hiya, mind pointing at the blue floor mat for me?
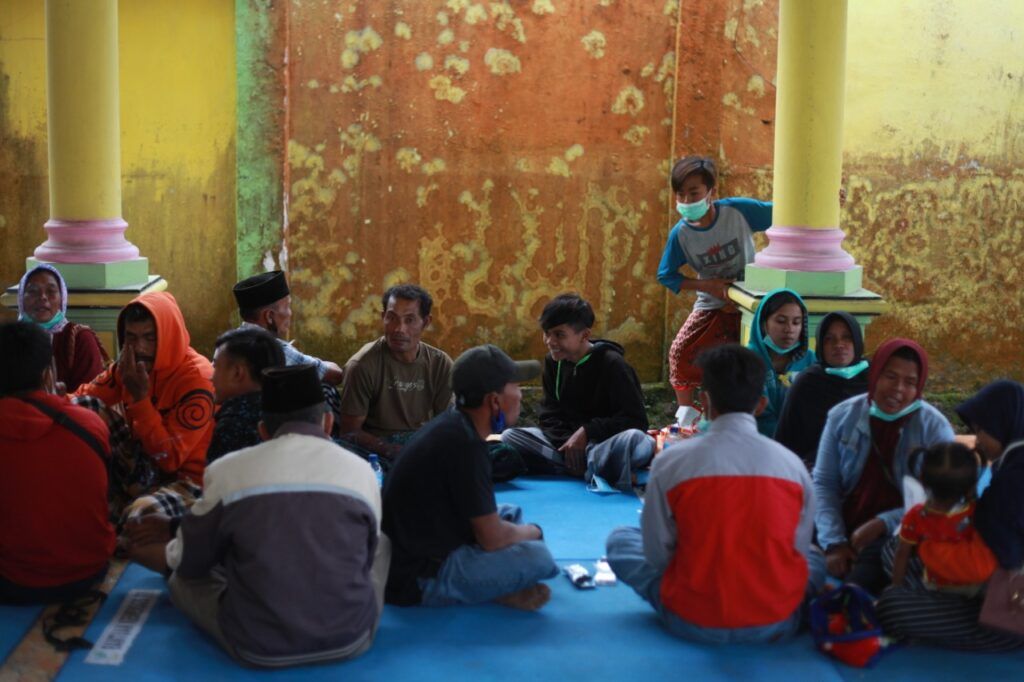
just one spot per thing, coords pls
(598, 634)
(576, 522)
(15, 621)
(608, 633)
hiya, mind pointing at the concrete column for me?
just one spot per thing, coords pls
(85, 232)
(805, 250)
(805, 243)
(809, 103)
(83, 100)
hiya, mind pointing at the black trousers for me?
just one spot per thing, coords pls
(19, 595)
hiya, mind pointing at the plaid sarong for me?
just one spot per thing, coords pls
(137, 487)
(173, 500)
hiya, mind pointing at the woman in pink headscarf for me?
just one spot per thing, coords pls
(43, 299)
(862, 458)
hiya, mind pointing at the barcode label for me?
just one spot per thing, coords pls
(119, 634)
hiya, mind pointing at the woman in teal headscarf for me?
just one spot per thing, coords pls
(779, 335)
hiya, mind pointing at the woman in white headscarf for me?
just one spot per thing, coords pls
(78, 356)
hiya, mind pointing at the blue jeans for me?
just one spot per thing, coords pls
(471, 575)
(625, 551)
(615, 459)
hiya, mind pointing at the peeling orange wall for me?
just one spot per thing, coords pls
(725, 103)
(498, 153)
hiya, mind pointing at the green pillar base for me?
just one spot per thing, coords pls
(125, 273)
(97, 307)
(806, 283)
(864, 305)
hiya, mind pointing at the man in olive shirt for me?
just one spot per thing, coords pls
(396, 384)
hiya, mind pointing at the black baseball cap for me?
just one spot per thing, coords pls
(486, 369)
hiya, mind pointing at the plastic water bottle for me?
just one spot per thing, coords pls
(675, 435)
(377, 470)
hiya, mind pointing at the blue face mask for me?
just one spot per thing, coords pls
(847, 372)
(775, 347)
(876, 411)
(691, 213)
(498, 423)
(53, 322)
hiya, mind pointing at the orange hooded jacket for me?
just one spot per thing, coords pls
(175, 423)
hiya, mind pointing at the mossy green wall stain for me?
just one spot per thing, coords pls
(260, 45)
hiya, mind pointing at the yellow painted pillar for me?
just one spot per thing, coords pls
(83, 116)
(811, 80)
(85, 232)
(804, 251)
(809, 112)
(83, 100)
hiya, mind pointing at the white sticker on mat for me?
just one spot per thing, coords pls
(119, 634)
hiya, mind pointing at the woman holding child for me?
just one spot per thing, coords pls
(862, 459)
(996, 416)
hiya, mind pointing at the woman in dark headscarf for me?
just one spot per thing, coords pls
(862, 459)
(996, 416)
(839, 373)
(43, 299)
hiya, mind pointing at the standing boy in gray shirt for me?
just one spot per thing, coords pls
(715, 237)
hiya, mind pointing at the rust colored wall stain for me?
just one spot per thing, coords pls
(725, 103)
(507, 154)
(944, 244)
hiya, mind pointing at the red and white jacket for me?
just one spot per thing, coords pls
(728, 519)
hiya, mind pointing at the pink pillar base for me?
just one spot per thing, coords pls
(805, 249)
(86, 241)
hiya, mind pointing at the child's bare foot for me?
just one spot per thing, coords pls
(529, 599)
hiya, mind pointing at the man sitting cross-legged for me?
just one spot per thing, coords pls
(282, 560)
(452, 543)
(724, 550)
(55, 538)
(396, 384)
(239, 358)
(592, 419)
(164, 388)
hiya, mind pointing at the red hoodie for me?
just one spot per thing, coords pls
(174, 422)
(54, 528)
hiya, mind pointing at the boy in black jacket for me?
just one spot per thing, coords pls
(592, 420)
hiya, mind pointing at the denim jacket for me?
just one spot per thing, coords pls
(843, 450)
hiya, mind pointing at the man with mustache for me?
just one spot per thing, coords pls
(166, 391)
(396, 384)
